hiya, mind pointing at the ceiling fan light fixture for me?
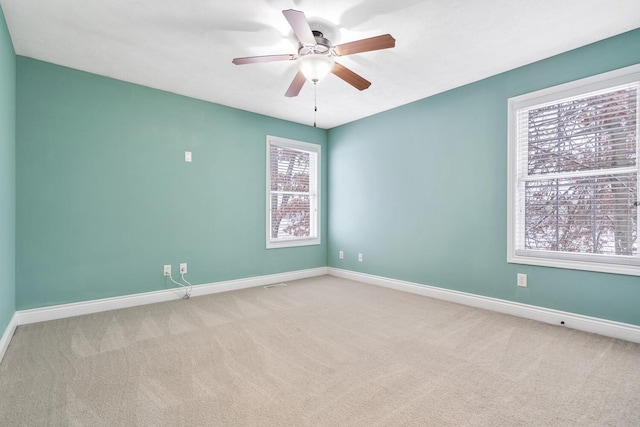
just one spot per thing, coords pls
(315, 66)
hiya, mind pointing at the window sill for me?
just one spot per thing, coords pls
(293, 243)
(575, 264)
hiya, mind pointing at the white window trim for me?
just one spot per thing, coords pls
(589, 262)
(315, 219)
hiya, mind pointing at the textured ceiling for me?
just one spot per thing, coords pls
(186, 46)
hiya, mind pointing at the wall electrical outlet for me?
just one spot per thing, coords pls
(187, 156)
(522, 280)
(341, 254)
(359, 257)
(183, 268)
(167, 270)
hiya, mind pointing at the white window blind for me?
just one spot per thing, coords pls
(292, 181)
(576, 182)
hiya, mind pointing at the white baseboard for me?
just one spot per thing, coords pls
(7, 335)
(24, 317)
(576, 321)
(594, 325)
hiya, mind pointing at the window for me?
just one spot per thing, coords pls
(573, 175)
(293, 184)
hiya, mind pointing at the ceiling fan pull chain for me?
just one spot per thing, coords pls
(315, 102)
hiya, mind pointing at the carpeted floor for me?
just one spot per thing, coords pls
(322, 352)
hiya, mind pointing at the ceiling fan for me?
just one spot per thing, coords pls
(316, 53)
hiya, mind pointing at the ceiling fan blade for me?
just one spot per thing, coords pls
(300, 26)
(350, 77)
(296, 85)
(265, 58)
(365, 45)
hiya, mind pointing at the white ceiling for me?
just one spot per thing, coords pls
(186, 46)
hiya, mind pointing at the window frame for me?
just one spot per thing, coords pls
(315, 205)
(588, 262)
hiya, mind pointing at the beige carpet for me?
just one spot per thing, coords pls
(322, 351)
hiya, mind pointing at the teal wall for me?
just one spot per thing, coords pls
(7, 175)
(421, 191)
(105, 199)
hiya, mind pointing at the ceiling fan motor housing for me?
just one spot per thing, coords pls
(322, 46)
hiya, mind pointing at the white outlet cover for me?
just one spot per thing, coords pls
(522, 280)
(187, 156)
(183, 268)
